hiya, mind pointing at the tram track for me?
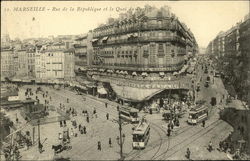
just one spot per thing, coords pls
(158, 144)
(191, 139)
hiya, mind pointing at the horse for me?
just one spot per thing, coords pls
(57, 148)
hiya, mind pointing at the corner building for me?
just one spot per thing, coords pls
(142, 54)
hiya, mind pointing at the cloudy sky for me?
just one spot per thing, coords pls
(205, 18)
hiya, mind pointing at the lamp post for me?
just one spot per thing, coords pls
(39, 141)
(120, 139)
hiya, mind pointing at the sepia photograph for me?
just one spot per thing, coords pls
(125, 80)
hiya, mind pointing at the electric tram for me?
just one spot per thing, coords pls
(141, 135)
(197, 115)
(129, 114)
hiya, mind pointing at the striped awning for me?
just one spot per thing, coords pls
(162, 73)
(144, 74)
(94, 40)
(105, 38)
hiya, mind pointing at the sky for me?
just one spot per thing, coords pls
(205, 18)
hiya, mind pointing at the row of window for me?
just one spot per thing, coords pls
(137, 25)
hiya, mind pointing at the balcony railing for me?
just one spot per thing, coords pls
(139, 79)
(141, 67)
(140, 28)
(144, 39)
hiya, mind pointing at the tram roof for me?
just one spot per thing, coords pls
(141, 128)
(198, 109)
(127, 108)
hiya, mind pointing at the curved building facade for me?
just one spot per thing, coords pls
(145, 52)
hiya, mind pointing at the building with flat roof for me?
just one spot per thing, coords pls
(141, 54)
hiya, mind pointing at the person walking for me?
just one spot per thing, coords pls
(210, 146)
(106, 104)
(110, 143)
(87, 119)
(84, 130)
(99, 146)
(107, 116)
(203, 123)
(79, 127)
(188, 153)
(168, 132)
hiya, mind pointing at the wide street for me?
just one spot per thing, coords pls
(159, 147)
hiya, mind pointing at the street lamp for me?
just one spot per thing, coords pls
(39, 141)
(120, 139)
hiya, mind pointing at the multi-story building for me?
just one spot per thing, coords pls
(145, 52)
(83, 48)
(232, 49)
(22, 63)
(244, 56)
(31, 53)
(7, 62)
(54, 61)
(81, 52)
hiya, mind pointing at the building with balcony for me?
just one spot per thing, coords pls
(54, 61)
(231, 50)
(142, 54)
(7, 62)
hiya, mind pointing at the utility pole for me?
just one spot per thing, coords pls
(121, 138)
(39, 141)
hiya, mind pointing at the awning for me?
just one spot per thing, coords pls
(130, 35)
(101, 90)
(94, 40)
(162, 73)
(175, 73)
(110, 71)
(26, 81)
(125, 72)
(118, 71)
(134, 73)
(135, 34)
(105, 38)
(101, 70)
(144, 74)
(16, 80)
(134, 94)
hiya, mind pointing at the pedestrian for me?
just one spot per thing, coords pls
(107, 115)
(43, 95)
(210, 146)
(203, 123)
(99, 146)
(50, 98)
(106, 104)
(84, 130)
(79, 126)
(64, 121)
(172, 126)
(61, 124)
(94, 112)
(169, 131)
(87, 119)
(40, 147)
(67, 100)
(188, 153)
(110, 142)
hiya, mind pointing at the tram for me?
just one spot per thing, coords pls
(141, 135)
(129, 114)
(197, 115)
